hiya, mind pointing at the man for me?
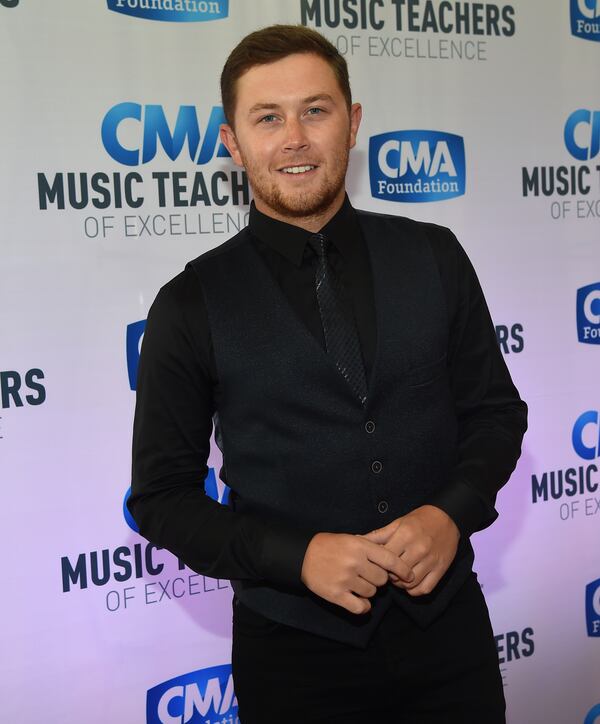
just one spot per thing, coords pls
(364, 411)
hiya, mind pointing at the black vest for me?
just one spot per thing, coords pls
(295, 446)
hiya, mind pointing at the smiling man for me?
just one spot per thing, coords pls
(365, 414)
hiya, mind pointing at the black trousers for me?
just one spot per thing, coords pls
(445, 674)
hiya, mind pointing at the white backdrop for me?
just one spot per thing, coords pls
(99, 627)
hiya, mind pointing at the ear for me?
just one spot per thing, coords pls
(230, 142)
(355, 119)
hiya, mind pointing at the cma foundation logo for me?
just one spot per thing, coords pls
(592, 608)
(585, 19)
(581, 135)
(205, 696)
(593, 715)
(566, 484)
(588, 314)
(416, 166)
(133, 346)
(150, 127)
(213, 487)
(179, 11)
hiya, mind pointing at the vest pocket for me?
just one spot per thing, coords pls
(426, 374)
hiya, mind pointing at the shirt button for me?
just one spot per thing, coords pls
(382, 506)
(376, 466)
(370, 426)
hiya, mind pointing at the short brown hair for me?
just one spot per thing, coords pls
(274, 43)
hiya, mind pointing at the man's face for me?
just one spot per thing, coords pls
(292, 134)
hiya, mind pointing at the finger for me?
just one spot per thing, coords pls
(363, 588)
(354, 604)
(420, 570)
(382, 535)
(373, 573)
(391, 562)
(427, 585)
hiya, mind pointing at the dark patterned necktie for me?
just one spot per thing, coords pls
(341, 336)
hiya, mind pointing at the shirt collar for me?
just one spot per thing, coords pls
(290, 241)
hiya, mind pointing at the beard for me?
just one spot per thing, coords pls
(299, 203)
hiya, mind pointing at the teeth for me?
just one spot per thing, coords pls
(297, 169)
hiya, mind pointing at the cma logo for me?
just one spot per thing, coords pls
(213, 487)
(415, 166)
(593, 715)
(149, 127)
(588, 314)
(582, 134)
(194, 698)
(587, 430)
(133, 346)
(180, 11)
(585, 19)
(16, 389)
(592, 607)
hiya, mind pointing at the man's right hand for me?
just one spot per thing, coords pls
(346, 569)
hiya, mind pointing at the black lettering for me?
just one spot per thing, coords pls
(478, 28)
(48, 193)
(10, 383)
(131, 201)
(508, 15)
(502, 337)
(150, 567)
(512, 645)
(100, 579)
(97, 181)
(310, 11)
(82, 202)
(220, 200)
(492, 15)
(539, 488)
(161, 178)
(592, 487)
(179, 188)
(429, 19)
(352, 21)
(527, 639)
(240, 187)
(531, 181)
(120, 556)
(375, 24)
(30, 381)
(516, 333)
(332, 14)
(199, 191)
(73, 575)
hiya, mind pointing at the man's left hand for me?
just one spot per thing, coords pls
(426, 539)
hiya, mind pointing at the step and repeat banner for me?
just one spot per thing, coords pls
(481, 116)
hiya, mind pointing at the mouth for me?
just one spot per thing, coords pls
(298, 170)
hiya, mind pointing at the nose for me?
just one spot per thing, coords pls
(295, 136)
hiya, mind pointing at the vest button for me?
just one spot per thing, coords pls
(382, 506)
(370, 426)
(376, 466)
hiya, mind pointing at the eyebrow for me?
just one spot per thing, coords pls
(273, 106)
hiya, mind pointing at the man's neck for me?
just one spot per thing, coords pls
(311, 223)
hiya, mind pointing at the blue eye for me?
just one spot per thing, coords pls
(317, 111)
(268, 118)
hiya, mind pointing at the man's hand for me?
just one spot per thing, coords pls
(346, 569)
(426, 539)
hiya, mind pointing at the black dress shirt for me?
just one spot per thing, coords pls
(178, 393)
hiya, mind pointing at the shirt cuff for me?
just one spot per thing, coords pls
(465, 506)
(283, 555)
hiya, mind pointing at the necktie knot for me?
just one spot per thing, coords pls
(319, 243)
